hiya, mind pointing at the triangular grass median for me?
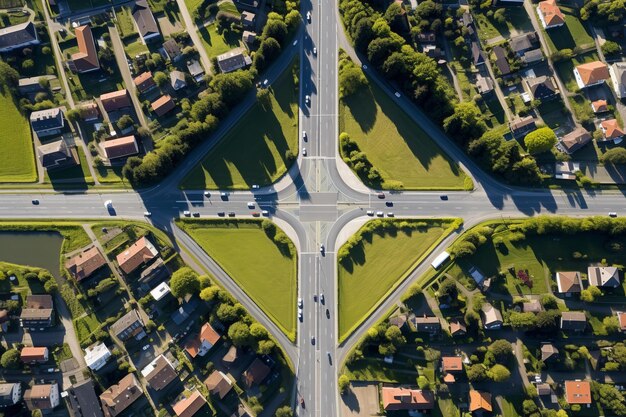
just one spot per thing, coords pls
(259, 257)
(377, 259)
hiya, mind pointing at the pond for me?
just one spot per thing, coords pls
(40, 249)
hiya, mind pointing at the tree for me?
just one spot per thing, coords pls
(590, 293)
(10, 359)
(448, 289)
(476, 373)
(615, 156)
(499, 373)
(276, 29)
(611, 48)
(501, 350)
(343, 383)
(351, 79)
(466, 123)
(540, 140)
(292, 19)
(394, 335)
(184, 281)
(547, 320)
(125, 122)
(611, 324)
(160, 79)
(284, 412)
(258, 331)
(264, 97)
(36, 413)
(526, 320)
(239, 333)
(422, 382)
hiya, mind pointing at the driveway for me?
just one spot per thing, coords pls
(361, 400)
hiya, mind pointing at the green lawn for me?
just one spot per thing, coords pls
(394, 144)
(215, 43)
(511, 406)
(254, 151)
(553, 112)
(17, 159)
(265, 271)
(517, 21)
(133, 46)
(572, 34)
(565, 69)
(379, 264)
(125, 22)
(192, 5)
(80, 172)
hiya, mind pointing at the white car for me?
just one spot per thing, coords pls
(380, 213)
(255, 186)
(250, 205)
(207, 194)
(300, 303)
(303, 151)
(397, 94)
(108, 204)
(300, 315)
(147, 214)
(186, 213)
(145, 347)
(322, 248)
(314, 51)
(304, 135)
(370, 212)
(390, 214)
(612, 214)
(364, 66)
(307, 99)
(265, 213)
(308, 17)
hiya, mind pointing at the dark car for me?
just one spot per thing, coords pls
(381, 195)
(231, 214)
(221, 213)
(327, 313)
(389, 203)
(443, 197)
(35, 202)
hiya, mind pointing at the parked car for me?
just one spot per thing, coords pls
(381, 195)
(221, 213)
(307, 99)
(196, 214)
(147, 213)
(303, 151)
(612, 214)
(255, 214)
(231, 214)
(207, 194)
(265, 213)
(370, 212)
(255, 186)
(250, 205)
(145, 347)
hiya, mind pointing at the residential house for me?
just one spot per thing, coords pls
(177, 80)
(189, 406)
(86, 59)
(573, 320)
(578, 392)
(457, 327)
(82, 400)
(249, 39)
(118, 397)
(523, 43)
(34, 354)
(521, 126)
(549, 14)
(451, 365)
(566, 170)
(574, 140)
(542, 88)
(502, 63)
(89, 111)
(47, 122)
(159, 373)
(42, 396)
(218, 384)
(55, 155)
(492, 318)
(617, 71)
(611, 130)
(185, 310)
(144, 82)
(156, 272)
(115, 100)
(427, 37)
(160, 291)
(603, 276)
(549, 352)
(599, 106)
(144, 21)
(195, 69)
(129, 325)
(32, 85)
(232, 61)
(480, 401)
(172, 50)
(478, 56)
(203, 342)
(10, 394)
(248, 20)
(399, 321)
(231, 356)
(37, 313)
(139, 253)
(18, 36)
(120, 147)
(591, 73)
(532, 56)
(256, 373)
(163, 105)
(427, 324)
(544, 390)
(400, 398)
(96, 356)
(621, 318)
(484, 85)
(85, 263)
(532, 306)
(569, 282)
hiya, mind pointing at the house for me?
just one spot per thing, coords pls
(127, 326)
(10, 394)
(118, 397)
(32, 85)
(532, 306)
(599, 106)
(232, 61)
(566, 170)
(249, 39)
(621, 318)
(86, 59)
(451, 365)
(218, 384)
(55, 155)
(603, 276)
(157, 271)
(574, 140)
(203, 342)
(521, 126)
(617, 71)
(611, 131)
(85, 263)
(574, 321)
(177, 80)
(89, 111)
(144, 82)
(549, 352)
(427, 37)
(42, 397)
(144, 21)
(502, 63)
(483, 84)
(172, 50)
(163, 105)
(248, 20)
(47, 122)
(427, 324)
(34, 354)
(523, 43)
(18, 36)
(591, 73)
(457, 327)
(578, 392)
(544, 390)
(478, 57)
(400, 398)
(160, 291)
(115, 100)
(492, 319)
(231, 356)
(159, 373)
(399, 321)
(480, 401)
(139, 253)
(120, 147)
(256, 373)
(189, 406)
(37, 313)
(184, 311)
(542, 88)
(82, 400)
(549, 14)
(569, 282)
(532, 56)
(195, 69)
(96, 356)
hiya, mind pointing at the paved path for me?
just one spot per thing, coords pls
(195, 37)
(58, 57)
(452, 70)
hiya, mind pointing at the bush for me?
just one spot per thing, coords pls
(184, 281)
(10, 359)
(540, 140)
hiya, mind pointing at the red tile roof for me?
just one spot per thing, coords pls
(611, 129)
(451, 364)
(163, 105)
(144, 81)
(480, 400)
(551, 13)
(120, 147)
(578, 392)
(398, 398)
(592, 72)
(83, 264)
(87, 57)
(34, 354)
(137, 254)
(190, 405)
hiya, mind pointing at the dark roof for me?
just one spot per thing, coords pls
(172, 49)
(54, 154)
(85, 263)
(144, 81)
(17, 35)
(38, 307)
(48, 119)
(125, 322)
(159, 373)
(575, 140)
(145, 19)
(231, 61)
(477, 54)
(118, 397)
(542, 87)
(83, 401)
(522, 43)
(156, 270)
(163, 105)
(115, 100)
(501, 62)
(256, 372)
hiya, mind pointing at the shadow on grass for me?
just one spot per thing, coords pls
(362, 105)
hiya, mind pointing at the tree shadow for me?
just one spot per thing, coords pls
(362, 106)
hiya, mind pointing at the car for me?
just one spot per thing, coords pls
(328, 354)
(231, 214)
(221, 213)
(50, 370)
(444, 197)
(186, 213)
(35, 202)
(207, 194)
(322, 298)
(255, 214)
(390, 214)
(308, 17)
(304, 135)
(147, 214)
(145, 347)
(196, 214)
(327, 313)
(313, 340)
(300, 315)
(265, 213)
(314, 51)
(380, 213)
(255, 186)
(307, 99)
(397, 94)
(295, 42)
(300, 303)
(266, 82)
(389, 203)
(250, 205)
(381, 195)
(322, 248)
(364, 66)
(303, 151)
(302, 402)
(612, 214)
(370, 212)
(108, 204)
(224, 195)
